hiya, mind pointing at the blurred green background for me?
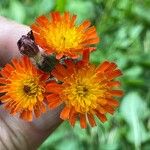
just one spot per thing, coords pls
(124, 29)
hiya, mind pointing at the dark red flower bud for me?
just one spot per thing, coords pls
(27, 45)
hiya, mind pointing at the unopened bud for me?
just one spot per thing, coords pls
(47, 63)
(27, 45)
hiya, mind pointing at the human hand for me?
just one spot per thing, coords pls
(14, 132)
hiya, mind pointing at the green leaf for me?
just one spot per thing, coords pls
(84, 9)
(45, 6)
(141, 12)
(134, 72)
(60, 5)
(17, 11)
(134, 111)
(147, 42)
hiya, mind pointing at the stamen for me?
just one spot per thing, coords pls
(27, 89)
(31, 88)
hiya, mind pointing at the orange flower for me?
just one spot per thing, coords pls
(23, 87)
(61, 36)
(86, 90)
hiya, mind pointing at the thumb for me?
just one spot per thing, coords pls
(19, 134)
(35, 132)
(10, 34)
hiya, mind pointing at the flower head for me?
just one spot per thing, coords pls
(23, 87)
(61, 36)
(86, 90)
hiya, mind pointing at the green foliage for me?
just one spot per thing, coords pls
(134, 114)
(123, 26)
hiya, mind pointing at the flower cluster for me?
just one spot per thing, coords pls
(61, 74)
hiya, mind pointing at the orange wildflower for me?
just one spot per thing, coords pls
(61, 36)
(23, 87)
(86, 90)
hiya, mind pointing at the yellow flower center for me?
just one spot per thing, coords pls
(83, 91)
(63, 38)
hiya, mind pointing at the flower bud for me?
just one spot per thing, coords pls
(27, 45)
(47, 62)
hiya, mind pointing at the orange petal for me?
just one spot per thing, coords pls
(37, 111)
(29, 115)
(26, 63)
(44, 76)
(114, 83)
(3, 89)
(26, 115)
(16, 63)
(103, 66)
(91, 120)
(101, 77)
(9, 104)
(114, 74)
(23, 115)
(91, 36)
(4, 81)
(9, 68)
(72, 120)
(57, 75)
(15, 107)
(41, 41)
(5, 73)
(113, 102)
(86, 55)
(109, 109)
(53, 105)
(101, 110)
(52, 97)
(61, 69)
(4, 97)
(67, 16)
(91, 41)
(34, 28)
(70, 66)
(90, 30)
(92, 49)
(65, 113)
(111, 67)
(80, 64)
(73, 19)
(72, 116)
(56, 16)
(83, 121)
(102, 101)
(53, 88)
(84, 25)
(101, 117)
(53, 100)
(42, 107)
(42, 20)
(117, 92)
